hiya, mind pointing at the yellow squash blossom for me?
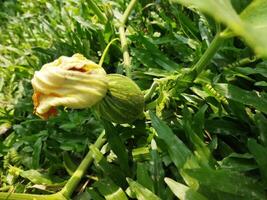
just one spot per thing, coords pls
(74, 82)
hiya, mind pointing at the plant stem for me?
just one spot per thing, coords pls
(18, 196)
(72, 183)
(70, 186)
(97, 11)
(151, 91)
(124, 45)
(125, 52)
(243, 61)
(128, 11)
(200, 65)
(209, 53)
(105, 51)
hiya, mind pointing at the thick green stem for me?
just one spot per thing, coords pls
(72, 183)
(202, 62)
(97, 11)
(125, 52)
(18, 196)
(209, 53)
(70, 186)
(124, 45)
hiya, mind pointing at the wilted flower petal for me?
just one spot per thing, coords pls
(74, 82)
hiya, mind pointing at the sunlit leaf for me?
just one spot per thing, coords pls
(251, 24)
(141, 192)
(183, 192)
(110, 190)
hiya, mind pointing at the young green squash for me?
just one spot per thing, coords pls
(124, 101)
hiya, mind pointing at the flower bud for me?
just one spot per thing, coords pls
(74, 82)
(124, 101)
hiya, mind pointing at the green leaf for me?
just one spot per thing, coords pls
(36, 153)
(261, 83)
(255, 16)
(83, 196)
(251, 24)
(141, 192)
(37, 178)
(224, 127)
(150, 55)
(256, 100)
(110, 190)
(202, 152)
(177, 150)
(198, 122)
(94, 195)
(261, 123)
(180, 155)
(117, 146)
(238, 162)
(260, 69)
(111, 171)
(69, 165)
(157, 171)
(183, 192)
(228, 182)
(143, 176)
(259, 152)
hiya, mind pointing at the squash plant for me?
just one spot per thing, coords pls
(196, 130)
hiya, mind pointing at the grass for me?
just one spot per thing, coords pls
(203, 133)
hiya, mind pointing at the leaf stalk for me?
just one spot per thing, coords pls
(124, 45)
(208, 54)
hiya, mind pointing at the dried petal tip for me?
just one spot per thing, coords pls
(74, 82)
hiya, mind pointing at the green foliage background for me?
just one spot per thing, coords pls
(203, 135)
